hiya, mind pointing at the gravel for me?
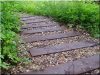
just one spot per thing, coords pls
(44, 61)
(62, 57)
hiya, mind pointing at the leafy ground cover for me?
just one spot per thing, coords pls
(8, 36)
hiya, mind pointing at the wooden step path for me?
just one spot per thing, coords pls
(61, 47)
(74, 67)
(41, 30)
(50, 37)
(41, 27)
(42, 24)
(25, 18)
(37, 26)
(35, 21)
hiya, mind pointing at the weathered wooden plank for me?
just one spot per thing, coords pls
(50, 37)
(37, 26)
(35, 21)
(60, 47)
(24, 18)
(40, 27)
(32, 19)
(72, 67)
(40, 24)
(41, 30)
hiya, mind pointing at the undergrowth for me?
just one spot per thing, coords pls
(83, 14)
(9, 39)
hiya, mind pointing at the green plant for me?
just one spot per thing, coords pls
(9, 28)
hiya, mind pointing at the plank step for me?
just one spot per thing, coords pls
(33, 28)
(61, 47)
(33, 38)
(31, 18)
(37, 26)
(25, 16)
(41, 30)
(73, 67)
(40, 24)
(35, 21)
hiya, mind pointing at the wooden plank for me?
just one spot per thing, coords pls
(50, 37)
(24, 18)
(36, 26)
(40, 24)
(72, 67)
(34, 21)
(27, 16)
(41, 30)
(40, 27)
(60, 47)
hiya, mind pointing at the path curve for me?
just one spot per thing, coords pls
(43, 37)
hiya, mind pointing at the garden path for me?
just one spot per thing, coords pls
(53, 43)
